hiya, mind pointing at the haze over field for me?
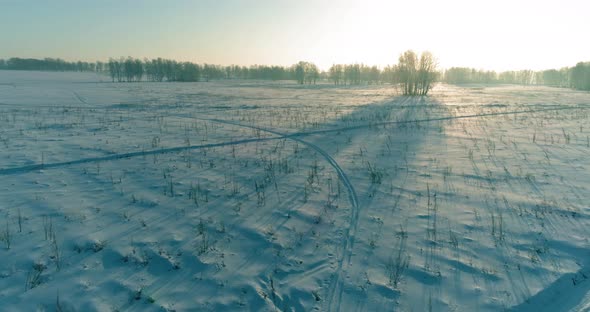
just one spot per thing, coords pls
(499, 35)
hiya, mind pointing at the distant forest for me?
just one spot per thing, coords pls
(133, 70)
(577, 77)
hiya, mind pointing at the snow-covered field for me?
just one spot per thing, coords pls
(241, 195)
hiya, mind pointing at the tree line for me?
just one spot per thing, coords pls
(50, 64)
(577, 77)
(132, 70)
(580, 76)
(414, 73)
(355, 74)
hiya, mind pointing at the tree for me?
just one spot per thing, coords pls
(115, 70)
(426, 72)
(407, 67)
(112, 69)
(159, 69)
(374, 75)
(416, 74)
(580, 76)
(336, 72)
(300, 72)
(305, 72)
(190, 72)
(138, 70)
(352, 74)
(390, 74)
(171, 70)
(99, 67)
(312, 73)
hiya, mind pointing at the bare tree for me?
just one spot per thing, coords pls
(312, 73)
(407, 72)
(112, 69)
(416, 74)
(426, 73)
(300, 72)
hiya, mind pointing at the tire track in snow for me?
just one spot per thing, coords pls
(336, 288)
(425, 120)
(293, 136)
(33, 167)
(80, 98)
(352, 193)
(350, 231)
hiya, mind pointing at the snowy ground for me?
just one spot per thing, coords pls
(271, 196)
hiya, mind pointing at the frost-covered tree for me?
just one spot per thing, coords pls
(407, 68)
(416, 73)
(426, 73)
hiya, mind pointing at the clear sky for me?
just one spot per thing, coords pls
(494, 34)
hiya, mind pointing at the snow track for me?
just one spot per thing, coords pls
(336, 286)
(351, 192)
(426, 120)
(80, 98)
(293, 136)
(506, 230)
(24, 169)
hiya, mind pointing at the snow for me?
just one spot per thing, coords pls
(241, 195)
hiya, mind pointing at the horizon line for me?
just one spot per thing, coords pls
(323, 69)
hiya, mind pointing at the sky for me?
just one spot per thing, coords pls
(495, 35)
